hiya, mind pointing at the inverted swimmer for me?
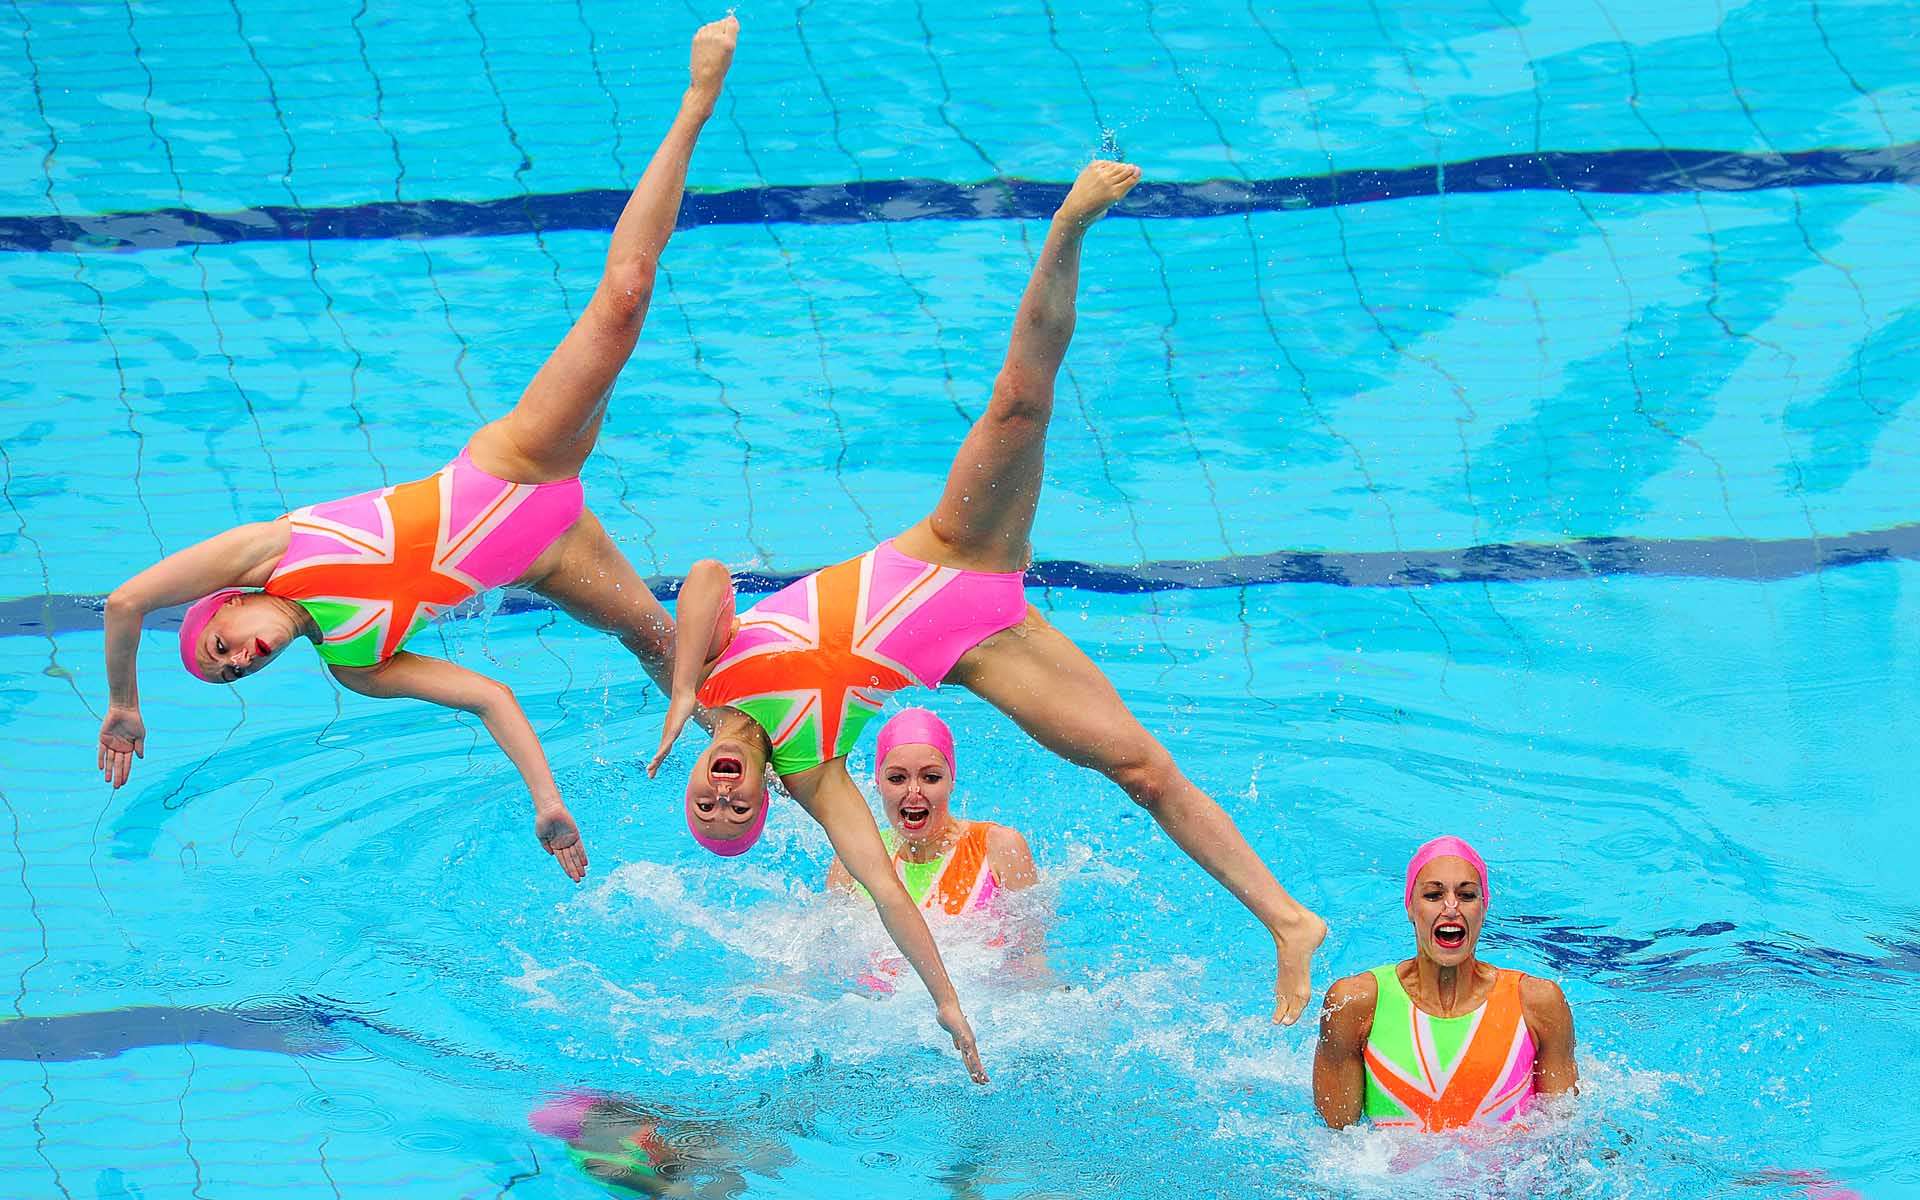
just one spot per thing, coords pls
(946, 864)
(794, 680)
(1442, 1040)
(358, 577)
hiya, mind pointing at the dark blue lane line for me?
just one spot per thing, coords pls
(1513, 562)
(1622, 172)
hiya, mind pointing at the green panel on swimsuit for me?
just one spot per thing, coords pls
(329, 615)
(363, 651)
(771, 713)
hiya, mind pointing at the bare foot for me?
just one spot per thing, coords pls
(560, 837)
(712, 54)
(1100, 185)
(1294, 944)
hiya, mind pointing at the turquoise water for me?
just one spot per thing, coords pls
(312, 949)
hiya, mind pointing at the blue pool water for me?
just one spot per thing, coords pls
(1493, 417)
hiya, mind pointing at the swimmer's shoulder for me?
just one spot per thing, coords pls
(1012, 858)
(1544, 1004)
(1544, 1008)
(1004, 839)
(1350, 1003)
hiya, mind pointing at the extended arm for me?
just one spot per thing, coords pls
(1545, 1006)
(830, 798)
(840, 879)
(704, 626)
(240, 557)
(1339, 1065)
(420, 678)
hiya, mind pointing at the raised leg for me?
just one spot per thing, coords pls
(986, 512)
(552, 429)
(587, 576)
(1053, 691)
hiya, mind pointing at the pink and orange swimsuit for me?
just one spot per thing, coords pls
(811, 663)
(374, 569)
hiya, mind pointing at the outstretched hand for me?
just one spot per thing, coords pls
(123, 737)
(955, 1023)
(679, 712)
(560, 837)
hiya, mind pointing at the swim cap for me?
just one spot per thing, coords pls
(915, 727)
(564, 1117)
(195, 622)
(729, 847)
(1448, 847)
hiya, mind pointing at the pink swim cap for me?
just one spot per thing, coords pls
(564, 1117)
(1448, 847)
(729, 847)
(195, 622)
(915, 727)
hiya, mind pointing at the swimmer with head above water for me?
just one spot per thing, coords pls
(792, 682)
(947, 864)
(358, 577)
(1442, 1040)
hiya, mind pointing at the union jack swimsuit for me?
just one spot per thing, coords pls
(374, 569)
(812, 663)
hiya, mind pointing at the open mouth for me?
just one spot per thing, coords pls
(914, 818)
(1450, 935)
(726, 766)
(260, 647)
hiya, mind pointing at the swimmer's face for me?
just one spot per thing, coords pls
(243, 636)
(917, 787)
(728, 789)
(1448, 908)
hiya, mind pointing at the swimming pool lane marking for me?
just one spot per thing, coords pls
(1155, 617)
(566, 307)
(1026, 245)
(1799, 213)
(1611, 172)
(1166, 341)
(1574, 561)
(313, 261)
(1714, 292)
(400, 202)
(760, 217)
(1310, 328)
(617, 152)
(53, 669)
(1635, 312)
(886, 230)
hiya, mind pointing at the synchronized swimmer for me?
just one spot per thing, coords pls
(786, 688)
(359, 577)
(791, 683)
(1442, 1040)
(946, 864)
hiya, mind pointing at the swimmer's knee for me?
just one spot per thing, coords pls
(1148, 776)
(1020, 405)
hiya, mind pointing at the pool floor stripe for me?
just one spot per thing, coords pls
(1623, 172)
(1747, 559)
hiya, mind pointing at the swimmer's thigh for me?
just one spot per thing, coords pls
(553, 428)
(588, 577)
(1053, 691)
